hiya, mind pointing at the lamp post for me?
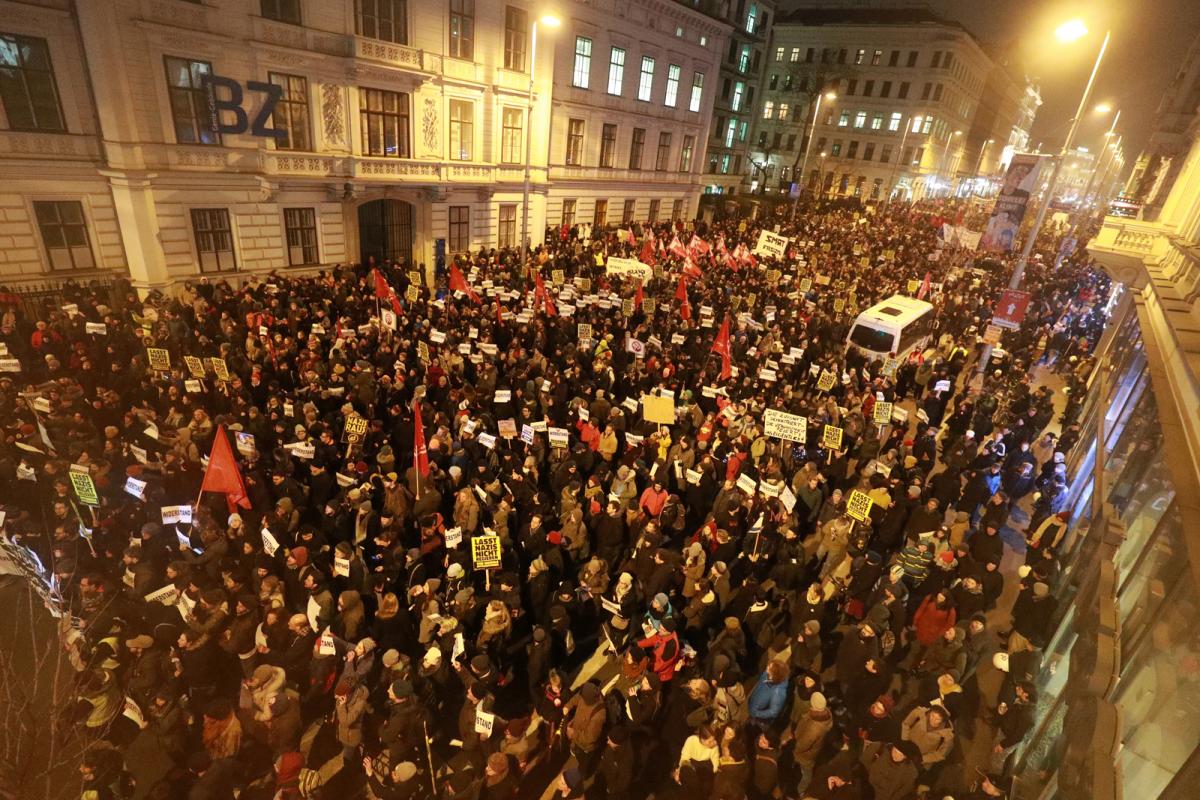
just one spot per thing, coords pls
(1081, 210)
(908, 123)
(1067, 32)
(946, 155)
(549, 21)
(979, 161)
(812, 133)
(821, 174)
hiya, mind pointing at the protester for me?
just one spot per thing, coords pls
(530, 517)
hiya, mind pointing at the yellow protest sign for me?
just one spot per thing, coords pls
(660, 410)
(219, 368)
(648, 305)
(356, 429)
(85, 488)
(839, 304)
(195, 366)
(485, 552)
(913, 286)
(160, 359)
(805, 285)
(858, 506)
(557, 277)
(826, 381)
(865, 261)
(412, 293)
(831, 438)
(414, 277)
(627, 307)
(883, 413)
(583, 331)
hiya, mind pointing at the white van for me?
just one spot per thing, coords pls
(899, 325)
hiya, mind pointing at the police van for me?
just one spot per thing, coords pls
(900, 325)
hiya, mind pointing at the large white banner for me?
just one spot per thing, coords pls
(628, 266)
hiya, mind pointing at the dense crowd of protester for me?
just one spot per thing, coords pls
(683, 609)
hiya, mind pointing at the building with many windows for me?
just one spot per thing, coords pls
(728, 170)
(899, 90)
(634, 84)
(348, 129)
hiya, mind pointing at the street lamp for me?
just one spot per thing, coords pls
(946, 155)
(979, 162)
(812, 133)
(909, 122)
(1081, 208)
(1067, 32)
(550, 21)
(821, 174)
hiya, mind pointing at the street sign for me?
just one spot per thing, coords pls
(1010, 311)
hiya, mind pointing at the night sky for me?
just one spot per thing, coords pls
(1150, 39)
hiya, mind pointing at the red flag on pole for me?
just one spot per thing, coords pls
(721, 346)
(676, 247)
(222, 475)
(382, 290)
(499, 313)
(647, 254)
(681, 289)
(396, 304)
(685, 311)
(924, 287)
(637, 298)
(544, 296)
(420, 452)
(459, 284)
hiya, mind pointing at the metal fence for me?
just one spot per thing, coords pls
(35, 301)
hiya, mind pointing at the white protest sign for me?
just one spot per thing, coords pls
(782, 425)
(558, 437)
(771, 244)
(746, 484)
(135, 487)
(454, 537)
(341, 567)
(167, 595)
(270, 543)
(172, 515)
(487, 440)
(484, 722)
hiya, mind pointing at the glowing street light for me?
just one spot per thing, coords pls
(1071, 30)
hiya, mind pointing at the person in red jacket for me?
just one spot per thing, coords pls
(934, 616)
(664, 650)
(653, 499)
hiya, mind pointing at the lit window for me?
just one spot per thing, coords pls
(894, 122)
(646, 79)
(795, 54)
(783, 110)
(616, 70)
(751, 18)
(672, 86)
(860, 56)
(581, 75)
(730, 133)
(877, 122)
(697, 91)
(843, 119)
(769, 109)
(860, 119)
(779, 52)
(739, 90)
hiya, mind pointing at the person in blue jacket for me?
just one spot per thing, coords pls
(769, 695)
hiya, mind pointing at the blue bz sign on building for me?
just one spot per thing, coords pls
(220, 108)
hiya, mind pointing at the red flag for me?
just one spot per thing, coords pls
(382, 290)
(499, 313)
(924, 287)
(685, 311)
(721, 246)
(676, 247)
(222, 475)
(544, 296)
(637, 298)
(681, 289)
(698, 245)
(721, 346)
(459, 284)
(396, 304)
(420, 452)
(647, 254)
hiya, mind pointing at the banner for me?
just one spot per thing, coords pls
(1020, 182)
(623, 267)
(771, 244)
